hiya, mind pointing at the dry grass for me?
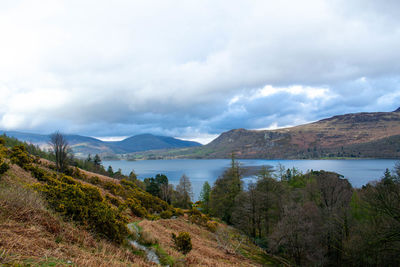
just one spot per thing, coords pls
(206, 250)
(31, 234)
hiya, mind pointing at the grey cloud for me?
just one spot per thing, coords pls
(172, 67)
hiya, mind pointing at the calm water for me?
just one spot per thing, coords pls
(358, 172)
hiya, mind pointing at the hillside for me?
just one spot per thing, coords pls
(51, 219)
(145, 142)
(368, 135)
(328, 137)
(84, 145)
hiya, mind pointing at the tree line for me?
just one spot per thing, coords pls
(315, 218)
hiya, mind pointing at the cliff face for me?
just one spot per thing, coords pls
(350, 135)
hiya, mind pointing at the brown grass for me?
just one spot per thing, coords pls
(206, 250)
(31, 234)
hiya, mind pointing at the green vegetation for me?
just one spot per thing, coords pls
(315, 218)
(182, 242)
(224, 192)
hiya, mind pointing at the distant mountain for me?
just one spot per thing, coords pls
(145, 142)
(365, 135)
(83, 145)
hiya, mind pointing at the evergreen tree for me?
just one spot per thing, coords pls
(225, 190)
(97, 160)
(205, 197)
(110, 171)
(132, 176)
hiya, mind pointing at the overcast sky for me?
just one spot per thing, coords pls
(193, 69)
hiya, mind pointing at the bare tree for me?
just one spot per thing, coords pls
(184, 192)
(60, 148)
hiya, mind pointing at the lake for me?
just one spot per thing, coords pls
(358, 171)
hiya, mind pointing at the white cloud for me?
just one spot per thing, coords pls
(173, 67)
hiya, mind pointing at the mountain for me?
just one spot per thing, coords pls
(349, 135)
(366, 135)
(145, 142)
(84, 145)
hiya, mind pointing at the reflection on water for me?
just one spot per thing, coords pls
(358, 172)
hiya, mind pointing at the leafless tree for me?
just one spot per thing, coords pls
(297, 234)
(60, 148)
(184, 192)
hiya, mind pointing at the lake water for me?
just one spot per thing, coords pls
(359, 171)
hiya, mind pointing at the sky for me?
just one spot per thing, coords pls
(193, 69)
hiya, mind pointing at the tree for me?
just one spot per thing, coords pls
(118, 174)
(297, 235)
(205, 197)
(224, 192)
(335, 197)
(132, 176)
(110, 171)
(97, 160)
(269, 193)
(60, 149)
(184, 193)
(164, 192)
(246, 213)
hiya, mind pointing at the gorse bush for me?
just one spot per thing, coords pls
(3, 167)
(166, 214)
(212, 226)
(136, 207)
(20, 156)
(85, 204)
(183, 242)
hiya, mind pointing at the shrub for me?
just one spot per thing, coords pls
(113, 200)
(136, 207)
(114, 188)
(178, 212)
(84, 203)
(94, 180)
(166, 214)
(38, 173)
(20, 157)
(212, 226)
(183, 242)
(4, 167)
(195, 216)
(127, 183)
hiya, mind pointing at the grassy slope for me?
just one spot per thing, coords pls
(206, 250)
(32, 234)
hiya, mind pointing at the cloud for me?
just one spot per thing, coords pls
(193, 69)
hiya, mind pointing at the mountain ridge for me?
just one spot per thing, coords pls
(362, 135)
(84, 145)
